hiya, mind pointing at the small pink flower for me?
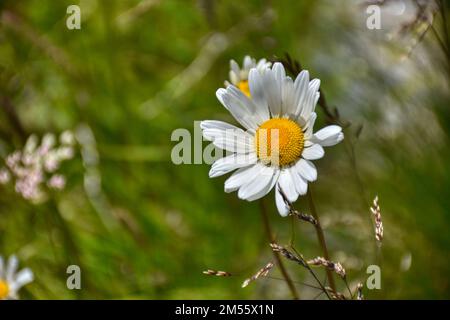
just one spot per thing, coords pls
(30, 167)
(57, 182)
(5, 176)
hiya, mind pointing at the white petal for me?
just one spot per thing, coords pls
(329, 136)
(237, 144)
(231, 162)
(309, 126)
(328, 131)
(24, 277)
(214, 124)
(260, 185)
(279, 72)
(262, 65)
(280, 76)
(240, 106)
(234, 67)
(288, 97)
(272, 91)
(2, 268)
(248, 63)
(313, 153)
(220, 93)
(240, 177)
(300, 183)
(310, 99)
(232, 139)
(287, 184)
(300, 91)
(11, 268)
(234, 78)
(13, 263)
(339, 138)
(283, 209)
(257, 92)
(306, 169)
(316, 99)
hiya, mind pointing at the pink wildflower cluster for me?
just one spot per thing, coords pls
(35, 166)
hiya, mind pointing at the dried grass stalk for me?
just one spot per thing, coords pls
(376, 211)
(288, 254)
(335, 295)
(260, 274)
(210, 272)
(295, 213)
(333, 266)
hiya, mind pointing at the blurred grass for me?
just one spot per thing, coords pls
(154, 227)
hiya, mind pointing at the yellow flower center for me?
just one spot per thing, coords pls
(279, 142)
(243, 86)
(4, 289)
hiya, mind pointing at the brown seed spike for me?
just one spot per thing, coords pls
(218, 273)
(376, 211)
(261, 273)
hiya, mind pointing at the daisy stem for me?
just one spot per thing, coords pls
(278, 259)
(321, 238)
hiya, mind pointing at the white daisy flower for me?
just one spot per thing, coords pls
(239, 77)
(11, 280)
(279, 144)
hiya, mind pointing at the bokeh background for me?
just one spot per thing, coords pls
(141, 227)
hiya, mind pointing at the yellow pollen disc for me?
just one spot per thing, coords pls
(4, 289)
(243, 86)
(279, 142)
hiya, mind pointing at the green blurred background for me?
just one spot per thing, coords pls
(140, 226)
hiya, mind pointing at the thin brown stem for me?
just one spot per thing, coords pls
(321, 238)
(348, 288)
(13, 118)
(276, 255)
(322, 286)
(297, 282)
(443, 12)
